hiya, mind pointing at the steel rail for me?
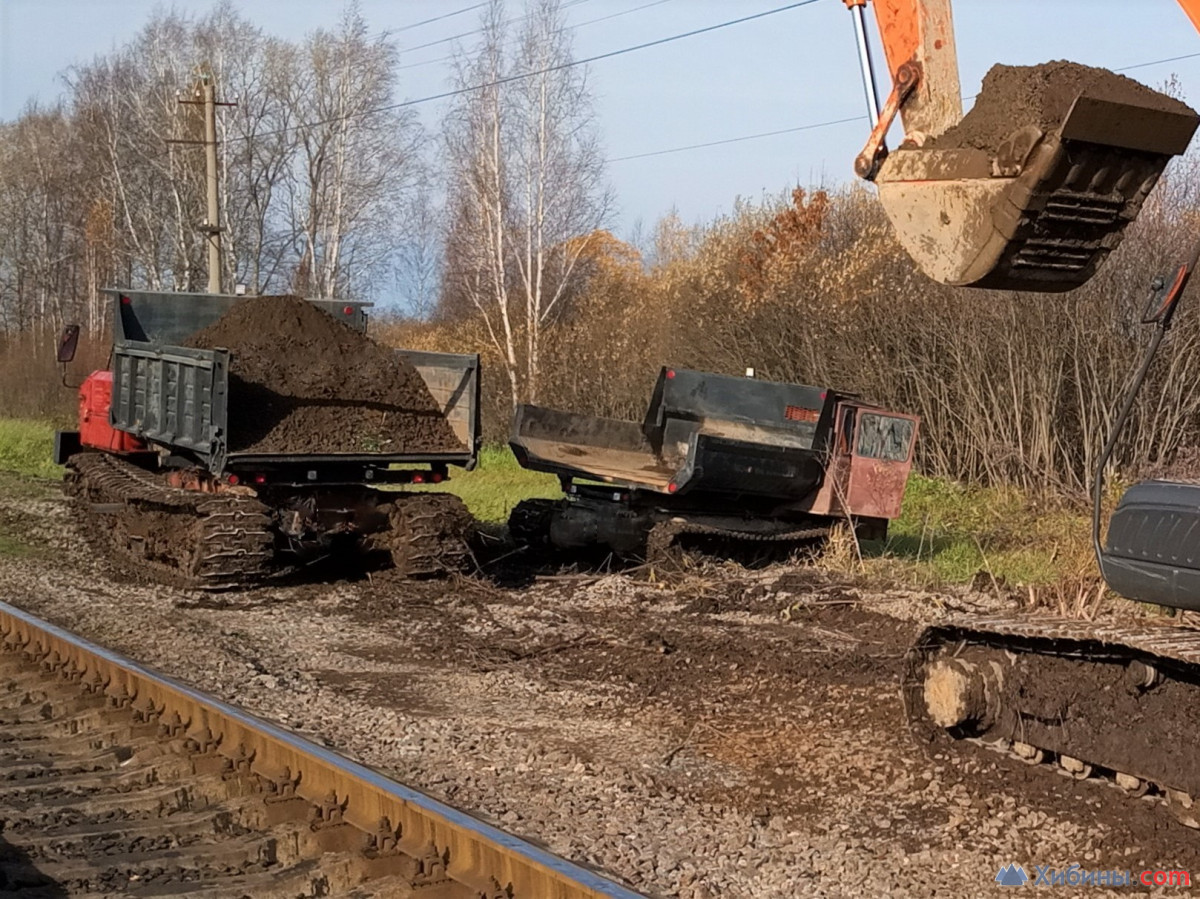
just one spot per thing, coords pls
(478, 856)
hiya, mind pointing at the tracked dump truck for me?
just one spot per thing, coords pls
(209, 468)
(731, 458)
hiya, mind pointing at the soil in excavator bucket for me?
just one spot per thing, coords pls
(1034, 187)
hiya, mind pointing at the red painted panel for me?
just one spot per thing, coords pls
(95, 398)
(876, 487)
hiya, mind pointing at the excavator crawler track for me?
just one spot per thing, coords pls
(1118, 703)
(184, 538)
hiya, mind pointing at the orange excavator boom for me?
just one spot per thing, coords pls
(1039, 211)
(1192, 8)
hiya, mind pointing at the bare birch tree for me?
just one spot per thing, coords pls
(358, 159)
(479, 244)
(526, 183)
(556, 158)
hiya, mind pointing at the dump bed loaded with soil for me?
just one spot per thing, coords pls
(302, 382)
(262, 434)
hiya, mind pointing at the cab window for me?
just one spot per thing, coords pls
(884, 437)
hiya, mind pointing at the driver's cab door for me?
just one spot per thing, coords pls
(873, 456)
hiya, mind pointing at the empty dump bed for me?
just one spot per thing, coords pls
(702, 432)
(581, 446)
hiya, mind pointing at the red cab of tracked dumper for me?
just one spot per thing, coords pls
(732, 458)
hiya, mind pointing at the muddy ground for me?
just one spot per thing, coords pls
(721, 732)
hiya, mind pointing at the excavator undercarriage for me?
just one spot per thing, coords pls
(1119, 703)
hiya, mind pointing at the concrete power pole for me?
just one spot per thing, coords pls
(206, 95)
(213, 221)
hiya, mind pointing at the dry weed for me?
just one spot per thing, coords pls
(841, 554)
(1077, 597)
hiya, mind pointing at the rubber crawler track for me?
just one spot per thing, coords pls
(429, 533)
(184, 538)
(663, 536)
(116, 779)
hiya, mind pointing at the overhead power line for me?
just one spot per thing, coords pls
(1156, 62)
(508, 79)
(449, 15)
(746, 137)
(738, 140)
(454, 37)
(624, 12)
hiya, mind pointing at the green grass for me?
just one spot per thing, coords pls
(27, 447)
(949, 533)
(497, 484)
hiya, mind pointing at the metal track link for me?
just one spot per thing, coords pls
(116, 779)
(183, 537)
(663, 535)
(1107, 701)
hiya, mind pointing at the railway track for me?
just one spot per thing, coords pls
(116, 779)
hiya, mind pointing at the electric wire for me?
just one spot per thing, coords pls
(449, 15)
(615, 15)
(521, 76)
(455, 37)
(809, 127)
(739, 139)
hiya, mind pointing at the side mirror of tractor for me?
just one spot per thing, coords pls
(68, 343)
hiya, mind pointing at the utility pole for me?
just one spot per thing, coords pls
(213, 221)
(206, 94)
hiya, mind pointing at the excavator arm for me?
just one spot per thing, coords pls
(918, 42)
(1039, 209)
(1192, 8)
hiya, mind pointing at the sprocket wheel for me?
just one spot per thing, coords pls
(529, 522)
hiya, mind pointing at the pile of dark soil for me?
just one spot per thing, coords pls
(303, 382)
(1015, 96)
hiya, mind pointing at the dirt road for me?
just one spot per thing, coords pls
(723, 733)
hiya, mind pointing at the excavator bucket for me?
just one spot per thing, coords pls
(1045, 209)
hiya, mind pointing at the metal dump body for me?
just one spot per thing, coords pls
(702, 433)
(178, 397)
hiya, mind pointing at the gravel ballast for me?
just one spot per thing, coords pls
(738, 734)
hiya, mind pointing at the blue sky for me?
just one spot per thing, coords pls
(793, 69)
